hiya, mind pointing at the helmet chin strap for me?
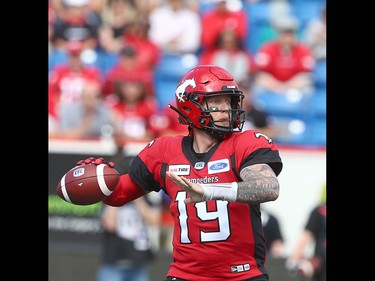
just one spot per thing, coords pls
(189, 122)
(220, 135)
(217, 133)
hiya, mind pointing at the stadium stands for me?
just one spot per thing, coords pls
(302, 118)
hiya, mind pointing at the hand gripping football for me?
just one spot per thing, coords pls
(87, 184)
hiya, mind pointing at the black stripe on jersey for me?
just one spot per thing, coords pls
(163, 175)
(264, 155)
(260, 246)
(123, 166)
(140, 174)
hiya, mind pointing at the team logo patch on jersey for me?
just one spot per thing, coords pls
(181, 170)
(218, 166)
(199, 165)
(240, 268)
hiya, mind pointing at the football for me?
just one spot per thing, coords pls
(87, 184)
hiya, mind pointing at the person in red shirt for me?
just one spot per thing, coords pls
(132, 109)
(284, 63)
(136, 35)
(67, 80)
(230, 53)
(127, 68)
(216, 177)
(219, 18)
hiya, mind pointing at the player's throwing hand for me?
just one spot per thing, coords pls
(195, 190)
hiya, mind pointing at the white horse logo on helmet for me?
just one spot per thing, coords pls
(181, 89)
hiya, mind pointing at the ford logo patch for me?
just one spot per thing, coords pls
(218, 166)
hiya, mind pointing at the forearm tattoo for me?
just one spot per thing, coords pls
(259, 184)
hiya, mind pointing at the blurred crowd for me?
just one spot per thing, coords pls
(107, 60)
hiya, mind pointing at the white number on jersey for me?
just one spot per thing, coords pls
(221, 215)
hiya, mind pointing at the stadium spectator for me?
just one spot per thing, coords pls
(230, 54)
(126, 68)
(315, 35)
(175, 28)
(220, 18)
(89, 117)
(303, 263)
(128, 242)
(116, 15)
(133, 109)
(66, 80)
(284, 63)
(136, 35)
(75, 22)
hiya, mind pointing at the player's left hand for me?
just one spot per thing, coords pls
(194, 190)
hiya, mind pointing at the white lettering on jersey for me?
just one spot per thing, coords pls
(151, 143)
(205, 179)
(181, 170)
(181, 89)
(258, 135)
(218, 166)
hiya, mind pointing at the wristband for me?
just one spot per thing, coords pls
(220, 191)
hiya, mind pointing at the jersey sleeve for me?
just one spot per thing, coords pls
(256, 148)
(126, 190)
(148, 168)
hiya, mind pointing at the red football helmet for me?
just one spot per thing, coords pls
(207, 81)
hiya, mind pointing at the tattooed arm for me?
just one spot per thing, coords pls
(259, 184)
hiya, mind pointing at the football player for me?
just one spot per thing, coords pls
(216, 177)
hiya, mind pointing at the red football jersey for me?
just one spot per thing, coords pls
(216, 239)
(283, 66)
(65, 84)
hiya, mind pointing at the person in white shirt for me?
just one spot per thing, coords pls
(175, 28)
